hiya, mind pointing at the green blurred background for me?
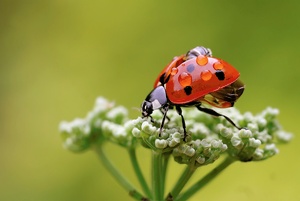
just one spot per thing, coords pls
(57, 56)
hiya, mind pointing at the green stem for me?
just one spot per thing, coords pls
(139, 173)
(185, 176)
(165, 162)
(117, 175)
(205, 180)
(157, 179)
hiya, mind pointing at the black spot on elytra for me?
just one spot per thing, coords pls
(188, 90)
(220, 74)
(190, 68)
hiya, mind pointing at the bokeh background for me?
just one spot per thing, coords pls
(57, 56)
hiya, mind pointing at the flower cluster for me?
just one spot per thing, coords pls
(208, 136)
(207, 139)
(104, 122)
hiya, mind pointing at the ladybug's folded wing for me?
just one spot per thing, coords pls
(225, 97)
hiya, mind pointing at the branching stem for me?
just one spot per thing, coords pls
(138, 172)
(117, 175)
(205, 180)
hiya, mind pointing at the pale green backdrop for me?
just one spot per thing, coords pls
(57, 56)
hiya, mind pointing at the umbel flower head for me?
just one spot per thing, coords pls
(208, 137)
(104, 122)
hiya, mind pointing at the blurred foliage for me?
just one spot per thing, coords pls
(57, 56)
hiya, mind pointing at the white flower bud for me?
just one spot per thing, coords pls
(176, 136)
(118, 131)
(224, 147)
(205, 144)
(103, 104)
(69, 126)
(148, 128)
(173, 143)
(236, 141)
(164, 134)
(272, 148)
(136, 132)
(272, 111)
(157, 114)
(255, 143)
(261, 122)
(264, 136)
(189, 151)
(248, 116)
(226, 132)
(244, 133)
(284, 136)
(216, 144)
(116, 112)
(258, 154)
(200, 160)
(161, 143)
(253, 127)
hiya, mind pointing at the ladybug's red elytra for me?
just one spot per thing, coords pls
(193, 79)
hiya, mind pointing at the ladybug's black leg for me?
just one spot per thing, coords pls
(214, 113)
(179, 111)
(164, 111)
(151, 119)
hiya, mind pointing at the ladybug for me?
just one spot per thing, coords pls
(191, 80)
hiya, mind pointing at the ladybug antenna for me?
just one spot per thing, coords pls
(137, 109)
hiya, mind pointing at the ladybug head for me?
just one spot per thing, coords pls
(156, 99)
(199, 50)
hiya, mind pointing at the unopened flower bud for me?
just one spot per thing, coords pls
(161, 143)
(136, 132)
(148, 128)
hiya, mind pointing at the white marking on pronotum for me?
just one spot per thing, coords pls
(156, 104)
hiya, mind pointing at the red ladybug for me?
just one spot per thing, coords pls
(193, 79)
